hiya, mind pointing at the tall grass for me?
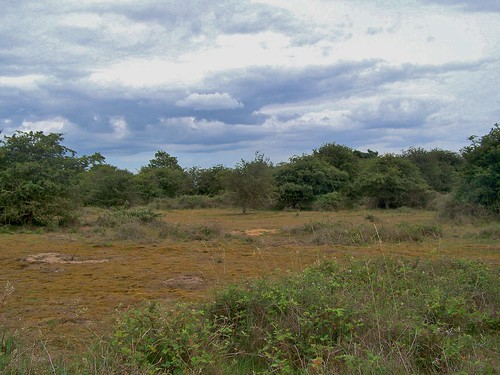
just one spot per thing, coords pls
(345, 233)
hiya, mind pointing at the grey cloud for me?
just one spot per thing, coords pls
(396, 113)
(470, 5)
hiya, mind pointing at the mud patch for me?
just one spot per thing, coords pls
(189, 282)
(58, 258)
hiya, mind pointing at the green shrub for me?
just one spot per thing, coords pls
(331, 202)
(192, 202)
(384, 316)
(114, 218)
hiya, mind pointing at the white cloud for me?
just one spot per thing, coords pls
(119, 126)
(210, 101)
(51, 125)
(26, 81)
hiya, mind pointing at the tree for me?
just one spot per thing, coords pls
(38, 176)
(480, 182)
(341, 157)
(439, 168)
(162, 177)
(207, 181)
(305, 177)
(252, 182)
(392, 181)
(163, 159)
(107, 186)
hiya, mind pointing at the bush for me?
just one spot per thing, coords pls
(192, 202)
(331, 202)
(427, 317)
(114, 218)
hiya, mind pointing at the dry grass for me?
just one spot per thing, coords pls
(69, 302)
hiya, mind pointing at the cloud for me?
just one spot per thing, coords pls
(210, 101)
(472, 6)
(217, 80)
(51, 125)
(119, 126)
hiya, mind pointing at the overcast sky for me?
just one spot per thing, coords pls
(213, 81)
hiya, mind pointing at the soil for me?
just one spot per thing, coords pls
(58, 258)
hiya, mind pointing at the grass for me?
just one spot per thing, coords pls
(62, 306)
(379, 316)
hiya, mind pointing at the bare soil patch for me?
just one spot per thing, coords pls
(189, 282)
(58, 258)
(256, 232)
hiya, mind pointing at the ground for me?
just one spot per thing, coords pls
(70, 284)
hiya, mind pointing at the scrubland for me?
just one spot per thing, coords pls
(214, 291)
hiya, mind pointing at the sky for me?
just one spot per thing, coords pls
(213, 81)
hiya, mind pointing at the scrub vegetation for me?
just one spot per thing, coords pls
(336, 262)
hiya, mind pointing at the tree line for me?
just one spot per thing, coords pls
(43, 182)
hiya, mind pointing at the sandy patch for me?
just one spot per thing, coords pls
(184, 282)
(58, 258)
(259, 232)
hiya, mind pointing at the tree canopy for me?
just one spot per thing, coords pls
(481, 173)
(42, 181)
(37, 178)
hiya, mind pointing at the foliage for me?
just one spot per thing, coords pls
(163, 159)
(306, 177)
(208, 181)
(114, 218)
(392, 181)
(339, 156)
(294, 195)
(37, 178)
(481, 175)
(427, 317)
(159, 182)
(332, 201)
(192, 202)
(107, 186)
(252, 182)
(439, 168)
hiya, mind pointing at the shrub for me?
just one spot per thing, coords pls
(427, 317)
(331, 202)
(114, 218)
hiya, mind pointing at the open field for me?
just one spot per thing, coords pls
(69, 284)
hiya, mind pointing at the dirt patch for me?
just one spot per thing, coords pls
(259, 232)
(184, 282)
(58, 258)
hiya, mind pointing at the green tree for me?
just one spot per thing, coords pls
(480, 182)
(107, 186)
(305, 177)
(392, 181)
(162, 177)
(439, 168)
(341, 157)
(38, 176)
(252, 182)
(207, 181)
(163, 159)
